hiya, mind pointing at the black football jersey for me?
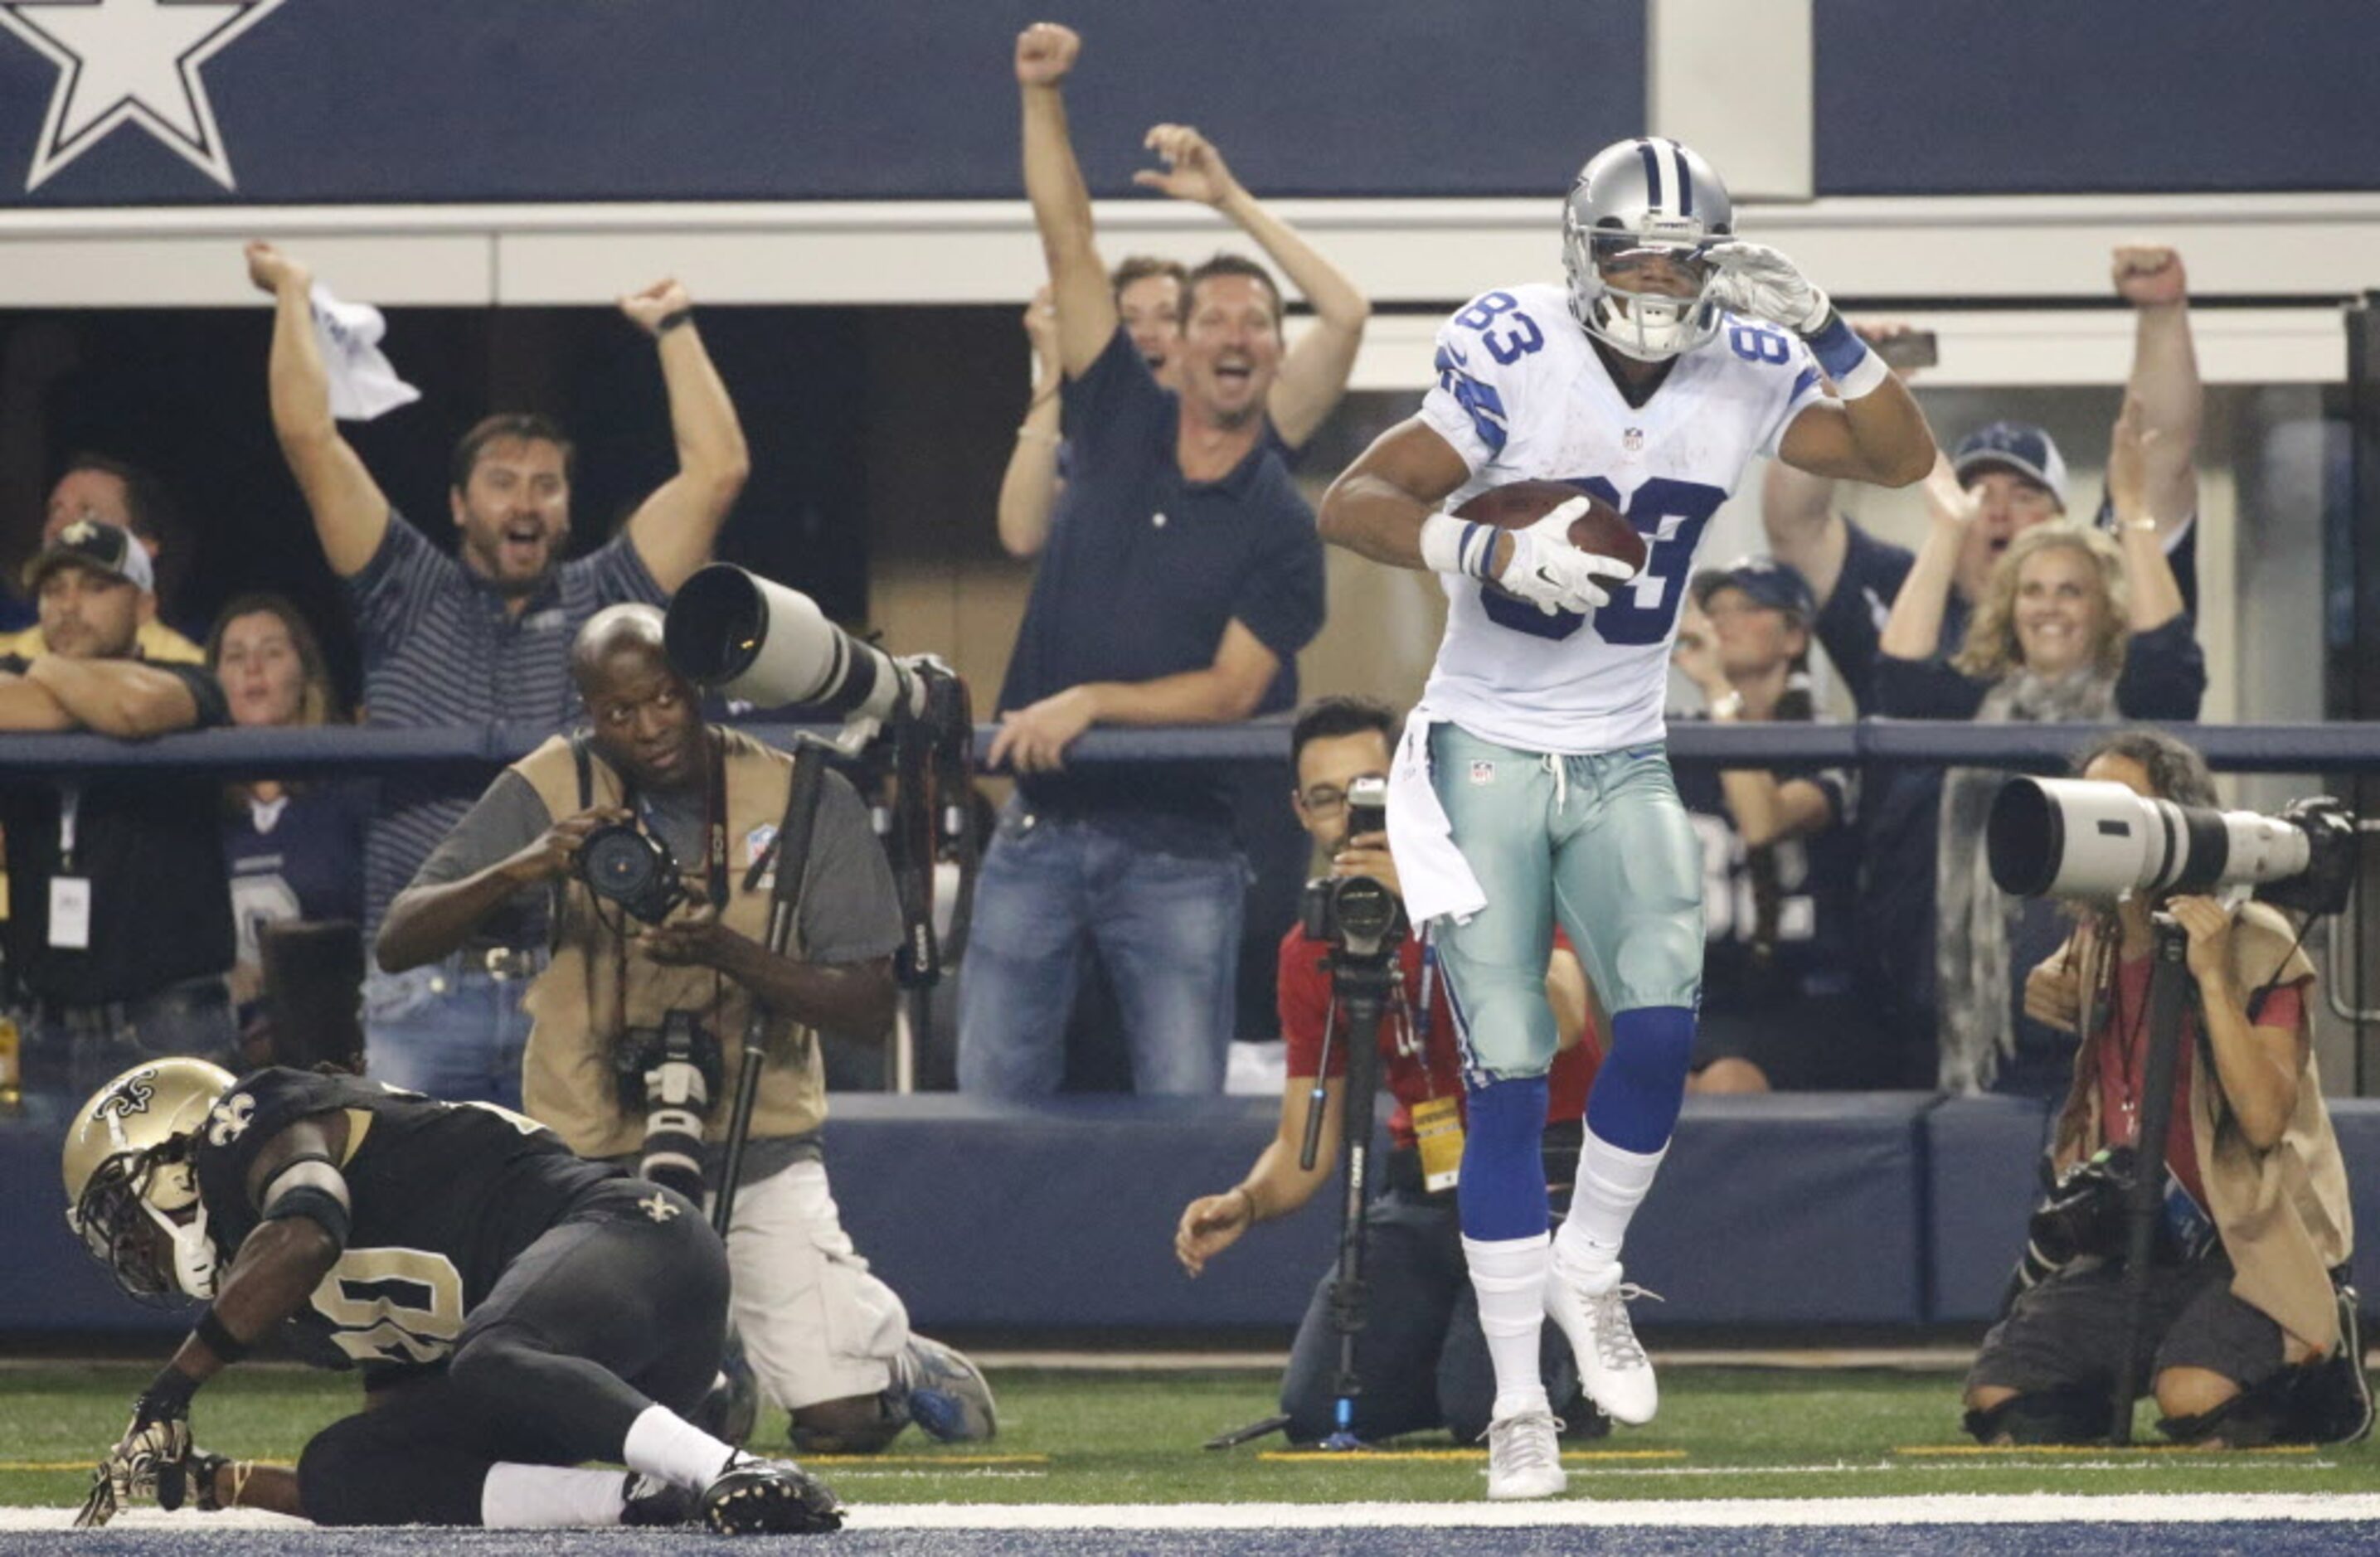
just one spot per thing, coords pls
(443, 1198)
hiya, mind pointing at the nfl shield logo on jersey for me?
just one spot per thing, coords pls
(1632, 440)
(1482, 772)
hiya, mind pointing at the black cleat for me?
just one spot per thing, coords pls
(754, 1497)
(649, 1503)
(201, 1469)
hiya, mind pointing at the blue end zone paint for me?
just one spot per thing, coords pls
(2266, 1538)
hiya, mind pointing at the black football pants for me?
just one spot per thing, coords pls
(620, 1306)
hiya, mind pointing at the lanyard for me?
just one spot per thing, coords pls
(1428, 992)
(714, 815)
(69, 814)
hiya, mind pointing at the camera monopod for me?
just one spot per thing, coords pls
(933, 818)
(2144, 1197)
(790, 850)
(1361, 986)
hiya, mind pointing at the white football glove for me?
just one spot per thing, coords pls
(150, 1460)
(1553, 575)
(1755, 279)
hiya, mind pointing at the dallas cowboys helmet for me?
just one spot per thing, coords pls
(1632, 197)
(131, 1194)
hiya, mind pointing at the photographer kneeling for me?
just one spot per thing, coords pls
(638, 1021)
(2247, 1336)
(1421, 1354)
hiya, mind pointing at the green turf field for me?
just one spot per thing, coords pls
(1076, 1437)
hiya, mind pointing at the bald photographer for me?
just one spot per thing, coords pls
(648, 842)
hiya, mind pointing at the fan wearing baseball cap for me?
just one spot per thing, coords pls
(2018, 478)
(120, 915)
(102, 489)
(1780, 861)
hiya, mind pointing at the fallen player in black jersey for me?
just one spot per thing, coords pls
(516, 1311)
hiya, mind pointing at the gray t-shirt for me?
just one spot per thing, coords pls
(848, 909)
(849, 912)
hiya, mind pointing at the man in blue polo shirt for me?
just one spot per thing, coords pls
(2017, 472)
(1179, 581)
(483, 635)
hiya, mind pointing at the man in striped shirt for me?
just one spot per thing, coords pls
(483, 635)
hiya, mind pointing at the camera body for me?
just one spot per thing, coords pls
(623, 863)
(1356, 915)
(673, 1074)
(2083, 1214)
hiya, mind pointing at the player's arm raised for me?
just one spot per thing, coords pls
(1875, 433)
(675, 526)
(1061, 205)
(1314, 372)
(2163, 381)
(1797, 508)
(350, 511)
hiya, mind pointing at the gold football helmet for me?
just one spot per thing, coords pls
(131, 1195)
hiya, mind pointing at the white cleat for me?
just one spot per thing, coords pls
(1525, 1456)
(1612, 1366)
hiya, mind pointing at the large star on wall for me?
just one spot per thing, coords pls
(130, 61)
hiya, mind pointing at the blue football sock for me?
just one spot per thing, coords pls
(1501, 1193)
(1642, 1080)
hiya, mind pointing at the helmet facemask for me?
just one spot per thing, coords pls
(1649, 326)
(142, 1216)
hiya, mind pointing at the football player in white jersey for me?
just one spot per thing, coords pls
(1532, 780)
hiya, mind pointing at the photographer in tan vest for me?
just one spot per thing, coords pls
(648, 990)
(2249, 1332)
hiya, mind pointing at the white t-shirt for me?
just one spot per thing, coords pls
(1521, 395)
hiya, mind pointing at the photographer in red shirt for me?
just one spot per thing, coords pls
(1421, 1356)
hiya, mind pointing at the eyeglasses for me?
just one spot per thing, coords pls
(1324, 802)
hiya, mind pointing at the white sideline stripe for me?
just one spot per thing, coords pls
(2037, 1508)
(1735, 1513)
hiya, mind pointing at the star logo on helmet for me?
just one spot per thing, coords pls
(659, 1207)
(79, 532)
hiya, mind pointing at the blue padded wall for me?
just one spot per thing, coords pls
(1062, 1213)
(1882, 1208)
(1981, 1185)
(1787, 1209)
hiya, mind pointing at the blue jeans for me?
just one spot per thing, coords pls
(1166, 925)
(453, 1030)
(72, 1051)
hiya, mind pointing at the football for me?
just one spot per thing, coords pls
(1516, 505)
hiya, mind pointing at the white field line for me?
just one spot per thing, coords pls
(1922, 1359)
(2036, 1508)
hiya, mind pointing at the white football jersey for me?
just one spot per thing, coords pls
(1521, 395)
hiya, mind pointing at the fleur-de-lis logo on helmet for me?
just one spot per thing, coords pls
(132, 1096)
